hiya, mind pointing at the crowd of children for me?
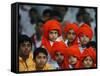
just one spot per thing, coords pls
(67, 47)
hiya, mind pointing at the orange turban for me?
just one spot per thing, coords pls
(51, 25)
(70, 26)
(60, 47)
(85, 29)
(74, 51)
(89, 52)
(75, 28)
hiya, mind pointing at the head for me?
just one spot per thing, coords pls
(85, 34)
(57, 15)
(47, 14)
(25, 45)
(59, 57)
(53, 35)
(72, 60)
(71, 35)
(84, 39)
(51, 29)
(70, 32)
(40, 56)
(88, 62)
(88, 58)
(74, 54)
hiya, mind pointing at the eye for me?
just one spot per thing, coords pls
(28, 45)
(39, 57)
(44, 57)
(23, 45)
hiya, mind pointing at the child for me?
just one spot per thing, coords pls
(52, 30)
(40, 57)
(70, 34)
(59, 49)
(85, 35)
(25, 53)
(88, 58)
(73, 57)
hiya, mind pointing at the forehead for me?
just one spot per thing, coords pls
(57, 52)
(53, 31)
(41, 54)
(88, 57)
(83, 35)
(72, 56)
(71, 30)
(26, 42)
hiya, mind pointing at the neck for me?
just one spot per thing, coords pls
(69, 43)
(24, 57)
(39, 68)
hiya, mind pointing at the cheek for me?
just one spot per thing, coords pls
(37, 61)
(22, 49)
(29, 48)
(84, 62)
(50, 36)
(87, 39)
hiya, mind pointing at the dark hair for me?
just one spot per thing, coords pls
(91, 44)
(39, 50)
(47, 11)
(57, 15)
(32, 10)
(24, 38)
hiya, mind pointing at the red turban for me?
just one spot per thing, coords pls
(51, 25)
(89, 52)
(74, 51)
(70, 26)
(60, 47)
(85, 29)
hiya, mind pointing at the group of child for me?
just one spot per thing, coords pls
(67, 50)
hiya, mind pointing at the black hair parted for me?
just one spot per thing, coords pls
(39, 50)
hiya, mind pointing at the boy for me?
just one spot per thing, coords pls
(70, 34)
(73, 57)
(88, 58)
(59, 49)
(40, 57)
(52, 30)
(51, 33)
(85, 35)
(25, 53)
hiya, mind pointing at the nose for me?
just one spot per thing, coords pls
(26, 48)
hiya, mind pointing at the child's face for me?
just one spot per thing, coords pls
(59, 57)
(41, 60)
(25, 48)
(72, 60)
(53, 35)
(84, 39)
(71, 35)
(88, 62)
